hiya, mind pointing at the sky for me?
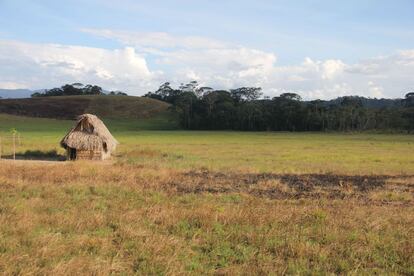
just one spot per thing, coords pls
(320, 49)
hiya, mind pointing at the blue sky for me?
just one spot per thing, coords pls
(320, 49)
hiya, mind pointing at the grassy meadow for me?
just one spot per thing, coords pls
(204, 202)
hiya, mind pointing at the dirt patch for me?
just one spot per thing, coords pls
(291, 186)
(32, 162)
(54, 162)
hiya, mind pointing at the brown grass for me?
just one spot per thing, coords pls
(88, 218)
(69, 107)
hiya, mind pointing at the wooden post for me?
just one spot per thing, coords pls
(14, 146)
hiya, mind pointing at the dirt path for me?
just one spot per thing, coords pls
(21, 161)
(48, 162)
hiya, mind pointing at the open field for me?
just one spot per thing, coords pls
(142, 143)
(181, 202)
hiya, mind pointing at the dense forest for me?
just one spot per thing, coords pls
(245, 108)
(76, 89)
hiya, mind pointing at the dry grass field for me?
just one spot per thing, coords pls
(68, 107)
(177, 202)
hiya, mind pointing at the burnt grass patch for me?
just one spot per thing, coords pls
(290, 186)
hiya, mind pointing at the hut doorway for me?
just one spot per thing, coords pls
(72, 154)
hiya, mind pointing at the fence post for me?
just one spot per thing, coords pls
(14, 146)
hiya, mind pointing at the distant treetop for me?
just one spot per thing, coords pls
(76, 89)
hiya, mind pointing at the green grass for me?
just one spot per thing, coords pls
(229, 150)
(151, 212)
(272, 152)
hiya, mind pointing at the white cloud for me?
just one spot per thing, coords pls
(157, 39)
(211, 62)
(12, 85)
(374, 90)
(48, 65)
(332, 68)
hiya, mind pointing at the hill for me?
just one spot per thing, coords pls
(367, 102)
(68, 107)
(15, 93)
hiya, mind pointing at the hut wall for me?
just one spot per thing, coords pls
(88, 155)
(106, 155)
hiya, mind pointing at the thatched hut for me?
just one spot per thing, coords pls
(89, 139)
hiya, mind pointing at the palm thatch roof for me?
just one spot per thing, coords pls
(89, 133)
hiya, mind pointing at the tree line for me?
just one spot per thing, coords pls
(245, 108)
(76, 89)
